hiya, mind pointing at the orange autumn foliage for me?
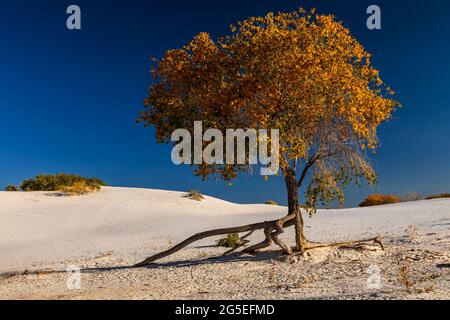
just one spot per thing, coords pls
(300, 72)
(379, 199)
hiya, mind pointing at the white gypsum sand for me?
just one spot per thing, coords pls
(121, 226)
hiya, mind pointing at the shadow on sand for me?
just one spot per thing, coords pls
(236, 257)
(56, 194)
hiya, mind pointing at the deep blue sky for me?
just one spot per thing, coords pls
(69, 99)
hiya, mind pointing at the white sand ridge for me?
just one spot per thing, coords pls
(42, 227)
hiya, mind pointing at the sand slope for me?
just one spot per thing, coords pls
(38, 228)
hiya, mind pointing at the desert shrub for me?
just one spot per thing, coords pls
(53, 182)
(195, 195)
(11, 187)
(410, 196)
(379, 199)
(271, 202)
(438, 196)
(78, 188)
(231, 241)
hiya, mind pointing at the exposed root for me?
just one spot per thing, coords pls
(272, 230)
(264, 244)
(267, 226)
(202, 235)
(279, 230)
(351, 244)
(13, 274)
(242, 242)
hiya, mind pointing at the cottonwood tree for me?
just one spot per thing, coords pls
(300, 72)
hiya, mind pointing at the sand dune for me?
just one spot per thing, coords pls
(103, 233)
(42, 227)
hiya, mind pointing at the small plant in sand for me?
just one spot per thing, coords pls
(379, 199)
(271, 202)
(231, 241)
(78, 188)
(404, 276)
(195, 195)
(11, 188)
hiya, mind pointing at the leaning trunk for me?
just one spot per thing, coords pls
(294, 209)
(272, 230)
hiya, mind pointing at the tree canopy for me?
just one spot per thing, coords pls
(300, 72)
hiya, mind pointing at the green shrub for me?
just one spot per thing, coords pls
(231, 241)
(379, 199)
(195, 195)
(271, 202)
(438, 196)
(11, 187)
(54, 182)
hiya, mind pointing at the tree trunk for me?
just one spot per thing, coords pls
(272, 229)
(294, 209)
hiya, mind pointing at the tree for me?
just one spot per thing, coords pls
(300, 72)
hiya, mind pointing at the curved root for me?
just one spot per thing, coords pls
(355, 243)
(272, 230)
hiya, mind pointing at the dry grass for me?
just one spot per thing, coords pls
(404, 276)
(78, 188)
(195, 195)
(415, 282)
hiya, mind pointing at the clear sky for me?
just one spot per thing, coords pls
(69, 99)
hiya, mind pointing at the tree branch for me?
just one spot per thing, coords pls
(311, 162)
(308, 165)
